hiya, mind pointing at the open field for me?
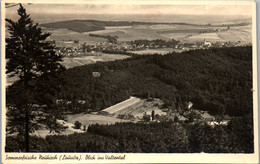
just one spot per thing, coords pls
(175, 36)
(78, 61)
(70, 62)
(117, 27)
(88, 119)
(162, 29)
(122, 105)
(140, 32)
(234, 34)
(143, 106)
(61, 35)
(70, 130)
(212, 37)
(125, 33)
(161, 51)
(184, 33)
(136, 107)
(133, 106)
(130, 33)
(85, 119)
(240, 33)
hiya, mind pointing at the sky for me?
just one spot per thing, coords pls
(135, 9)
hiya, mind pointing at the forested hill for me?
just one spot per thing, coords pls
(217, 80)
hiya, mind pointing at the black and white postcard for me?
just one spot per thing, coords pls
(129, 82)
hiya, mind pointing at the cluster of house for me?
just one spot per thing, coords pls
(70, 51)
(61, 101)
(207, 44)
(92, 50)
(190, 116)
(79, 49)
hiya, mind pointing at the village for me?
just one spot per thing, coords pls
(76, 49)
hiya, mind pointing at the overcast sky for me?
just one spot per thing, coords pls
(135, 9)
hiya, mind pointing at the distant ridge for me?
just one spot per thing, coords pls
(95, 25)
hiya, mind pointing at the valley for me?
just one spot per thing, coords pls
(143, 84)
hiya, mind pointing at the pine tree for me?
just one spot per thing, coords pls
(31, 101)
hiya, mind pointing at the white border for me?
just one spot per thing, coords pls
(143, 158)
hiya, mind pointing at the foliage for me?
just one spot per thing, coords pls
(234, 138)
(164, 137)
(31, 100)
(77, 124)
(111, 39)
(158, 42)
(218, 80)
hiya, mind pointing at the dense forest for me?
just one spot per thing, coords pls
(216, 80)
(164, 137)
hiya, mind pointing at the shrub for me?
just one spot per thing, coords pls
(77, 125)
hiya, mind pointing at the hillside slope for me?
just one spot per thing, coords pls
(75, 25)
(216, 80)
(95, 25)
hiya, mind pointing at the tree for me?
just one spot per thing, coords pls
(77, 125)
(153, 115)
(31, 101)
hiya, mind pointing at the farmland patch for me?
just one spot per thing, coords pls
(161, 51)
(70, 62)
